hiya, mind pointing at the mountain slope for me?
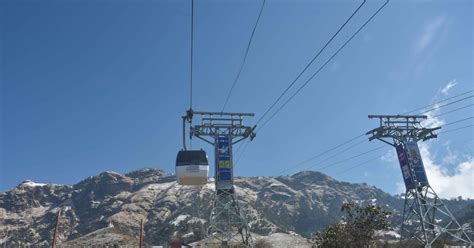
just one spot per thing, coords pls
(302, 203)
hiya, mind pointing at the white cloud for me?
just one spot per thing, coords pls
(451, 157)
(430, 31)
(448, 185)
(432, 121)
(390, 156)
(448, 86)
(432, 36)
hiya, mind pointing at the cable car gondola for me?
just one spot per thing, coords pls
(192, 167)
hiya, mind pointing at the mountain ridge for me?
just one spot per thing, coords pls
(301, 203)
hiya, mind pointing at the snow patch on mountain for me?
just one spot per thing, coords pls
(29, 183)
(300, 205)
(179, 219)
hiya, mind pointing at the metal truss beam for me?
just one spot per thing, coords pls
(227, 223)
(425, 217)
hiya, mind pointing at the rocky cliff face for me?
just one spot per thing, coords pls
(112, 205)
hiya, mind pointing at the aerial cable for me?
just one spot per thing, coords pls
(375, 158)
(363, 134)
(239, 147)
(343, 151)
(245, 57)
(322, 67)
(267, 111)
(444, 105)
(378, 148)
(191, 61)
(242, 147)
(433, 104)
(457, 121)
(325, 152)
(358, 165)
(455, 129)
(243, 151)
(454, 110)
(348, 159)
(442, 132)
(189, 112)
(310, 63)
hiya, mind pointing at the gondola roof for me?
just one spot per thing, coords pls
(191, 157)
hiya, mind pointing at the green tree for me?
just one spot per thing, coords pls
(334, 236)
(357, 228)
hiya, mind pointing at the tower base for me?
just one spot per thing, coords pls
(427, 220)
(227, 224)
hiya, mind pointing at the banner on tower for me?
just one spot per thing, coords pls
(402, 158)
(415, 159)
(224, 163)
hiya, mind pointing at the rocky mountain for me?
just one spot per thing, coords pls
(108, 208)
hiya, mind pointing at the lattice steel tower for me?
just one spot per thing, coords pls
(227, 223)
(423, 209)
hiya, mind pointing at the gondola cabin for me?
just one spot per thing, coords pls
(192, 167)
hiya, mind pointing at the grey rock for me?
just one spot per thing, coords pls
(108, 207)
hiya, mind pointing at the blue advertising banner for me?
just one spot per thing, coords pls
(414, 158)
(225, 174)
(224, 164)
(402, 158)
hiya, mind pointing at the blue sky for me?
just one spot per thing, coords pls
(90, 86)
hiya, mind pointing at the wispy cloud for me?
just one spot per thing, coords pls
(432, 121)
(429, 33)
(428, 42)
(447, 87)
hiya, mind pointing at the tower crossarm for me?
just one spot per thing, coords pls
(401, 128)
(213, 124)
(427, 133)
(223, 130)
(399, 118)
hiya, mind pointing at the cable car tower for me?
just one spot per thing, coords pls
(423, 209)
(227, 224)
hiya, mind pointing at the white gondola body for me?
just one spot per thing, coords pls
(192, 174)
(192, 167)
